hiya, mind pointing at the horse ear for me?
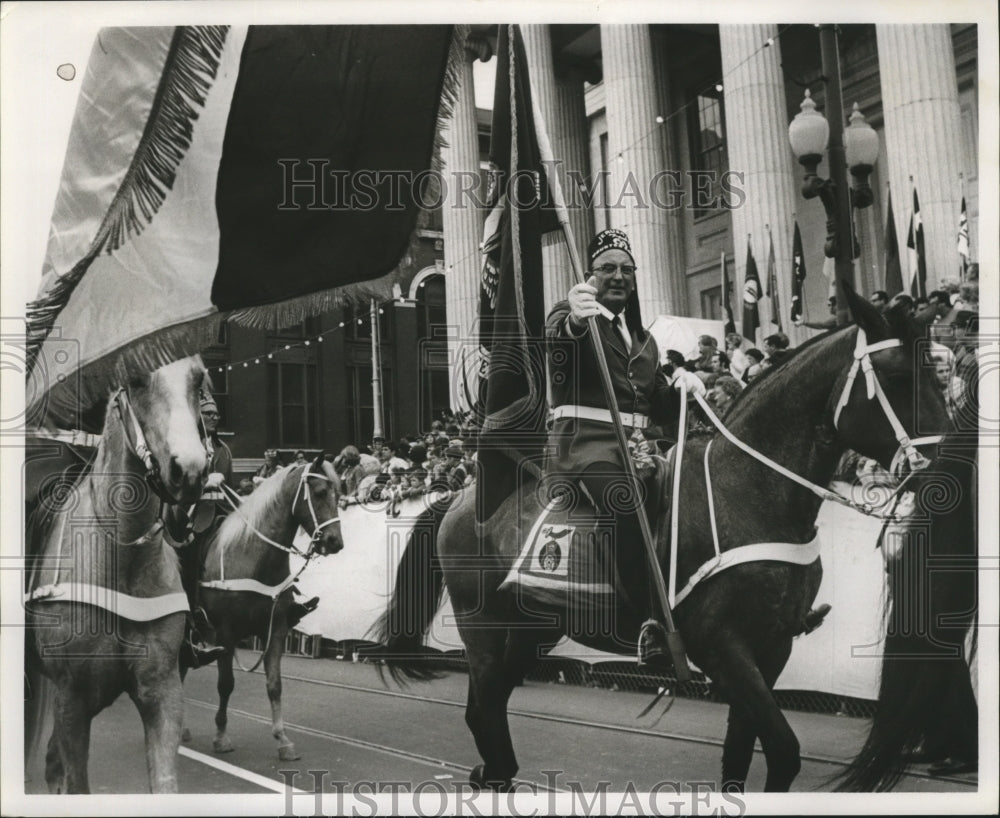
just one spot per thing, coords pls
(866, 315)
(317, 464)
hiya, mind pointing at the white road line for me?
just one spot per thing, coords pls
(367, 745)
(239, 772)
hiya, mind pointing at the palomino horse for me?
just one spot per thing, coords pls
(105, 608)
(246, 584)
(861, 387)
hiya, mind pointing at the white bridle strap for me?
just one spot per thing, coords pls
(317, 525)
(862, 359)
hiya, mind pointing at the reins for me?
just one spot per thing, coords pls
(907, 445)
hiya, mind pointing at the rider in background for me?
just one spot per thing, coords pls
(583, 436)
(201, 520)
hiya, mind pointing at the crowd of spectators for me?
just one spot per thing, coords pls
(442, 459)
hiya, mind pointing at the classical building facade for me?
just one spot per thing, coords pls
(676, 134)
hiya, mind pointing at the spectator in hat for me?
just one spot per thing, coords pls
(268, 468)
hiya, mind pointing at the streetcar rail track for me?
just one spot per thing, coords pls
(530, 714)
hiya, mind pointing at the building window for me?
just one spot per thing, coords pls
(707, 138)
(354, 331)
(292, 405)
(432, 325)
(220, 385)
(711, 303)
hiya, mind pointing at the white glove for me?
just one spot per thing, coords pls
(214, 480)
(583, 301)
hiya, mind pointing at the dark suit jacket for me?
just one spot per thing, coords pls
(640, 386)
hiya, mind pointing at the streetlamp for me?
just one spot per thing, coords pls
(855, 147)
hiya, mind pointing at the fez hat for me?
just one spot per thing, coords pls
(613, 239)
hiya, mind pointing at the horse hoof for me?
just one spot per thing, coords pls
(223, 745)
(479, 782)
(286, 752)
(185, 735)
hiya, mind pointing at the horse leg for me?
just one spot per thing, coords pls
(72, 738)
(737, 752)
(750, 692)
(55, 773)
(272, 671)
(225, 684)
(490, 686)
(160, 702)
(185, 732)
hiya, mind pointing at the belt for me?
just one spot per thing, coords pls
(633, 420)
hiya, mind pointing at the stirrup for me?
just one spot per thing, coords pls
(653, 652)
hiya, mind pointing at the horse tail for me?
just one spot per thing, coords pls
(400, 631)
(925, 690)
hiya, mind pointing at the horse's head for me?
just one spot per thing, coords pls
(160, 415)
(316, 508)
(886, 402)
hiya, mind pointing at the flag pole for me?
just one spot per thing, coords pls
(377, 430)
(674, 642)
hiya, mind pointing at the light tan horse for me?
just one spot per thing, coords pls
(105, 608)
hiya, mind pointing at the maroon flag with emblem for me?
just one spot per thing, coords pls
(751, 295)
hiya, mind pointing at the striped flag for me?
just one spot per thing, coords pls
(751, 295)
(798, 274)
(893, 269)
(217, 171)
(963, 240)
(918, 260)
(772, 282)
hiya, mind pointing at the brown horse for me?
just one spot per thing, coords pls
(105, 607)
(737, 625)
(247, 584)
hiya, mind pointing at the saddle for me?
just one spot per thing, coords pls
(567, 558)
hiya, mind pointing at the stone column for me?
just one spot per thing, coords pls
(923, 138)
(636, 157)
(463, 224)
(757, 144)
(560, 101)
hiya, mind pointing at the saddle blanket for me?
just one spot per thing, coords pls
(566, 560)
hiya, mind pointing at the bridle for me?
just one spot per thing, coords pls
(907, 446)
(318, 527)
(907, 451)
(136, 440)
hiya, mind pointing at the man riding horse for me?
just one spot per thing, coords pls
(201, 518)
(583, 434)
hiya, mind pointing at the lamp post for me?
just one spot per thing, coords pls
(855, 147)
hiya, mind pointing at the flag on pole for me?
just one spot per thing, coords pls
(511, 306)
(772, 282)
(893, 269)
(727, 300)
(751, 295)
(915, 243)
(798, 274)
(963, 241)
(213, 170)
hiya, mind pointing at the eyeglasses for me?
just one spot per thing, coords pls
(210, 414)
(609, 269)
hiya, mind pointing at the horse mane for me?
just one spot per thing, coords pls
(774, 378)
(257, 507)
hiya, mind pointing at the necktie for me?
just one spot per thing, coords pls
(616, 322)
